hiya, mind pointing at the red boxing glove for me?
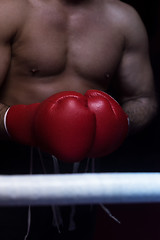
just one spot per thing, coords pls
(61, 125)
(64, 126)
(69, 125)
(111, 123)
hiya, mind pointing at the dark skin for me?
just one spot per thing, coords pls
(56, 45)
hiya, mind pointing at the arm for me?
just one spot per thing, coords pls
(4, 64)
(135, 84)
(7, 32)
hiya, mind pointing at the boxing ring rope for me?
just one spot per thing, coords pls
(88, 188)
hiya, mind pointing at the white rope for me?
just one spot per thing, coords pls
(68, 189)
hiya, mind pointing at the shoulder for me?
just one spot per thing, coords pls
(121, 11)
(12, 13)
(127, 20)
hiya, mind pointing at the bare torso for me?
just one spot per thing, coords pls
(59, 45)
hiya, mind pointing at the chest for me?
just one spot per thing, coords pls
(53, 39)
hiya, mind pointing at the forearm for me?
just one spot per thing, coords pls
(141, 112)
(3, 134)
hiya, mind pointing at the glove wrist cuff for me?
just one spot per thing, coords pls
(4, 121)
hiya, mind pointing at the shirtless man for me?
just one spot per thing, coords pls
(51, 46)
